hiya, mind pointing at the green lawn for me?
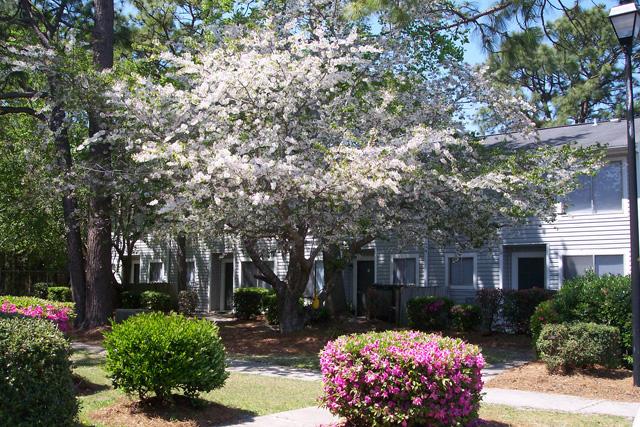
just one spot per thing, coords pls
(250, 394)
(500, 416)
(261, 395)
(301, 362)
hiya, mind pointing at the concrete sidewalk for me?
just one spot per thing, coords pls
(559, 402)
(305, 417)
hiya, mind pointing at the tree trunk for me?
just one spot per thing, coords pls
(181, 264)
(291, 316)
(336, 301)
(100, 292)
(75, 257)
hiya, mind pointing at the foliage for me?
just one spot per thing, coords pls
(570, 70)
(402, 378)
(156, 301)
(271, 309)
(158, 353)
(59, 293)
(429, 313)
(187, 302)
(41, 290)
(566, 346)
(248, 302)
(60, 313)
(599, 299)
(544, 313)
(465, 317)
(518, 307)
(130, 299)
(36, 386)
(490, 301)
(320, 124)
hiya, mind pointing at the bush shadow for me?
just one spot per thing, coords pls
(198, 411)
(85, 387)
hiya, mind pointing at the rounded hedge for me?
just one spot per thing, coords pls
(36, 387)
(402, 378)
(59, 293)
(429, 313)
(156, 301)
(249, 302)
(566, 346)
(160, 354)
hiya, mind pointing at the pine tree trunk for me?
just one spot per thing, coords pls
(181, 264)
(100, 291)
(75, 257)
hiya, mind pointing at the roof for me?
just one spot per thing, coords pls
(611, 133)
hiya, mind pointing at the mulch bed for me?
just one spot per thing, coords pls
(180, 413)
(255, 337)
(92, 336)
(597, 383)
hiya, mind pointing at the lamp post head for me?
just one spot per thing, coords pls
(624, 19)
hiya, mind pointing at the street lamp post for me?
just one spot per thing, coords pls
(626, 24)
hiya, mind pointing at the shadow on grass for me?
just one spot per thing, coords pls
(491, 423)
(84, 387)
(177, 410)
(82, 359)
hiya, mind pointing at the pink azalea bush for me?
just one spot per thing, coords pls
(60, 314)
(402, 378)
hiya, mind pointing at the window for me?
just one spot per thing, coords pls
(461, 272)
(578, 265)
(248, 275)
(155, 272)
(599, 193)
(405, 271)
(191, 272)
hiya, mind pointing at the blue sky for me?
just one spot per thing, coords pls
(473, 50)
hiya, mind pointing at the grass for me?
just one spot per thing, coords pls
(261, 395)
(298, 361)
(500, 415)
(258, 395)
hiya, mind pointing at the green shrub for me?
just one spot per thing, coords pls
(489, 300)
(605, 299)
(465, 317)
(272, 309)
(187, 302)
(155, 301)
(130, 299)
(518, 307)
(41, 289)
(248, 302)
(544, 313)
(24, 302)
(566, 346)
(160, 354)
(429, 313)
(36, 387)
(59, 293)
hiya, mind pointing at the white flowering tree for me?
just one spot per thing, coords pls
(310, 139)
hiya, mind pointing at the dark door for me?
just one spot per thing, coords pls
(228, 286)
(364, 279)
(530, 272)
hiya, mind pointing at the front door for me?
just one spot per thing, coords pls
(364, 279)
(530, 272)
(228, 286)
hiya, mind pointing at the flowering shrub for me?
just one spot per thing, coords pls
(465, 317)
(402, 378)
(60, 314)
(429, 313)
(544, 314)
